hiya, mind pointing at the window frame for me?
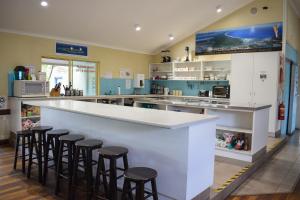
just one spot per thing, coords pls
(70, 65)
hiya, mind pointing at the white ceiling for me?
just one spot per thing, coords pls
(110, 23)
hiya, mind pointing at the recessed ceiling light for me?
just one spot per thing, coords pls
(219, 9)
(137, 27)
(44, 3)
(171, 37)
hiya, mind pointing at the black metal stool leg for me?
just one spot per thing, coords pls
(16, 151)
(140, 190)
(126, 189)
(112, 179)
(89, 174)
(23, 153)
(104, 177)
(55, 149)
(75, 167)
(59, 167)
(154, 189)
(97, 181)
(31, 144)
(46, 155)
(40, 158)
(125, 161)
(70, 168)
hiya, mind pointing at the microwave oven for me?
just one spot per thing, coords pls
(221, 91)
(27, 88)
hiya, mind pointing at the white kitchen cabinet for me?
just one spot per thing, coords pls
(255, 81)
(241, 83)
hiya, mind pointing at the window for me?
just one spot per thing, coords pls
(81, 74)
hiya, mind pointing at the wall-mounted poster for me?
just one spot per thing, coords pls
(264, 37)
(71, 49)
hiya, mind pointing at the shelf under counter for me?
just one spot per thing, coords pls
(234, 129)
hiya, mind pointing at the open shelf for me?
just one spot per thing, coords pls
(234, 129)
(31, 117)
(234, 151)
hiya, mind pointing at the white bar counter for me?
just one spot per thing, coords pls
(180, 146)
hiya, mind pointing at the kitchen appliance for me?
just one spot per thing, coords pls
(27, 88)
(203, 93)
(166, 91)
(221, 91)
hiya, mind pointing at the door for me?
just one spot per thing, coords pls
(241, 83)
(292, 115)
(265, 84)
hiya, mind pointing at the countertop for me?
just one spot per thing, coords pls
(118, 97)
(225, 106)
(159, 118)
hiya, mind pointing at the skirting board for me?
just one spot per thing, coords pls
(203, 195)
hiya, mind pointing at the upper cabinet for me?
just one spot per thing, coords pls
(241, 84)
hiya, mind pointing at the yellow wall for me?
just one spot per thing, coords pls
(26, 50)
(293, 28)
(241, 17)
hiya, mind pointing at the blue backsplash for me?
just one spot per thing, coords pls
(112, 84)
(189, 88)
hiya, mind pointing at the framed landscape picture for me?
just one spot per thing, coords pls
(264, 37)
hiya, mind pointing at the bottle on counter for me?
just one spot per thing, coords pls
(119, 90)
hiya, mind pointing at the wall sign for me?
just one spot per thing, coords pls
(71, 49)
(264, 37)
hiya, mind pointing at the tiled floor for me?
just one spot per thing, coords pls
(279, 175)
(224, 168)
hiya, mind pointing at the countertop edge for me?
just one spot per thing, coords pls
(251, 109)
(182, 125)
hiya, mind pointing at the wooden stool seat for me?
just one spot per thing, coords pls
(24, 132)
(140, 174)
(89, 143)
(42, 128)
(113, 151)
(58, 132)
(71, 138)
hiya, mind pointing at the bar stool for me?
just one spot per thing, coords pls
(112, 153)
(86, 147)
(53, 140)
(69, 141)
(25, 135)
(39, 148)
(140, 176)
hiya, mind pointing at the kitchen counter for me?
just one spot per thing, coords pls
(222, 105)
(174, 144)
(164, 119)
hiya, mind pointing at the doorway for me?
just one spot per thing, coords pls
(290, 98)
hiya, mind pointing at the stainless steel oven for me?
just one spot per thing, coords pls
(221, 91)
